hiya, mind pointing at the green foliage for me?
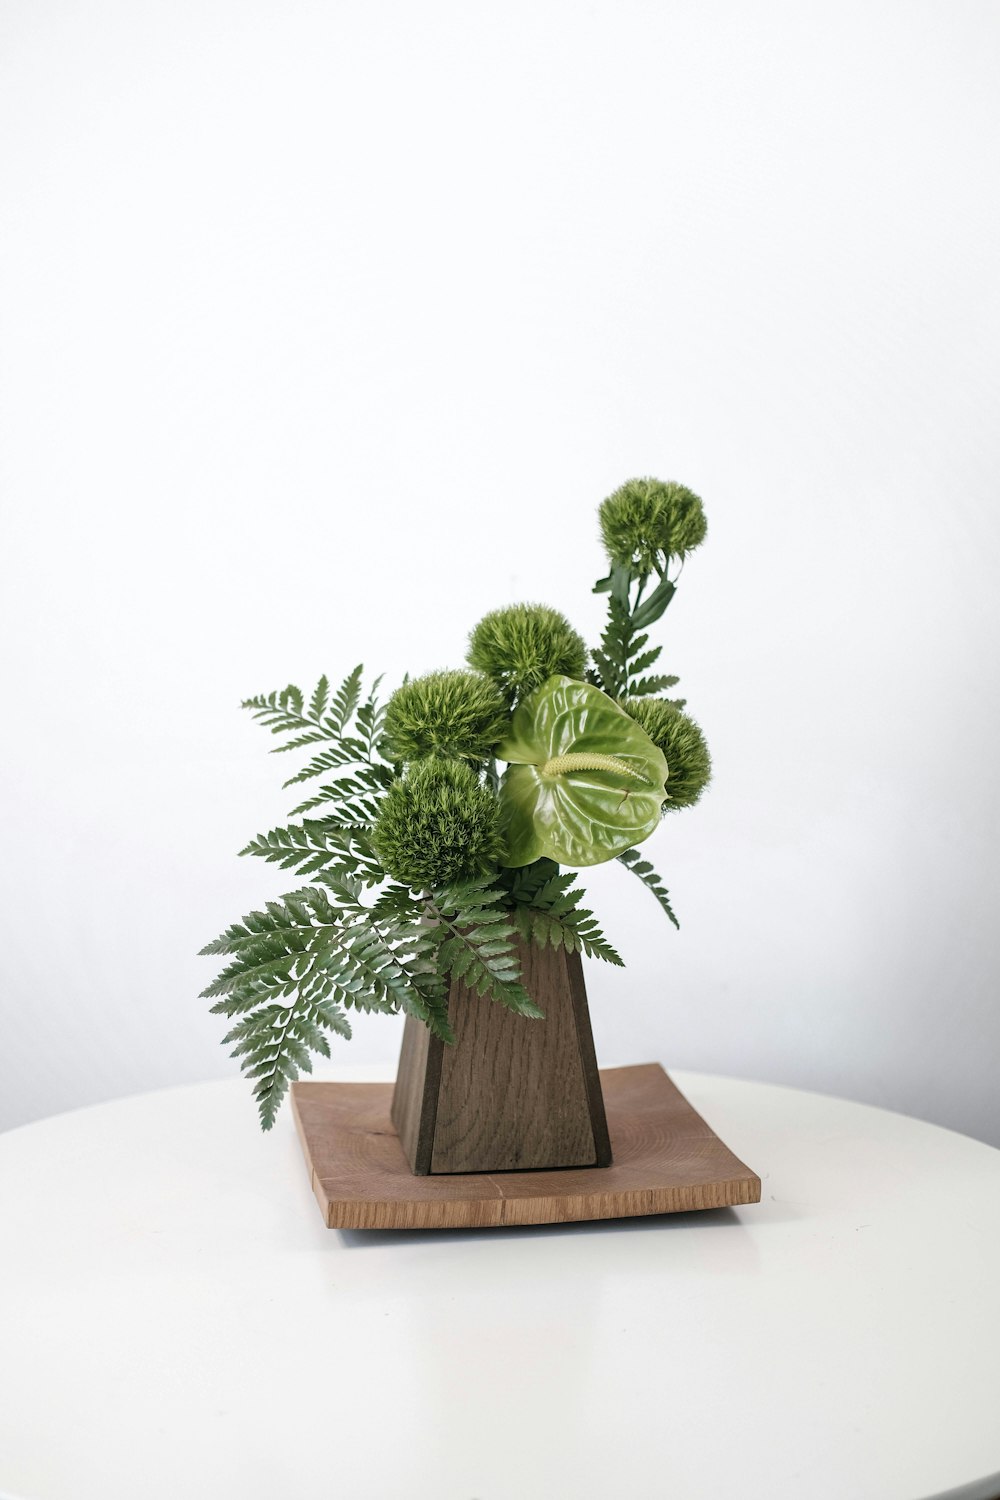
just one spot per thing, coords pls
(352, 731)
(469, 930)
(621, 660)
(295, 968)
(585, 780)
(354, 799)
(403, 886)
(519, 647)
(317, 844)
(682, 742)
(474, 938)
(437, 825)
(352, 728)
(325, 719)
(458, 714)
(641, 867)
(647, 521)
(546, 906)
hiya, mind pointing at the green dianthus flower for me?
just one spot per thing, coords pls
(445, 714)
(646, 521)
(522, 646)
(689, 764)
(437, 825)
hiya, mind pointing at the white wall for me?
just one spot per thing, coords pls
(328, 325)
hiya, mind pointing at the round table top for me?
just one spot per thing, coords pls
(175, 1319)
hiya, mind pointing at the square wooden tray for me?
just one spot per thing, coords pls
(666, 1160)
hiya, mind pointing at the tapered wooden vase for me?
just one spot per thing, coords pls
(459, 1141)
(513, 1094)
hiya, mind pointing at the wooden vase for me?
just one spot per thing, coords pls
(513, 1093)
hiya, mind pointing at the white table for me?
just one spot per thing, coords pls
(175, 1321)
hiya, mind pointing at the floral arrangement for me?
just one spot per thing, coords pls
(418, 859)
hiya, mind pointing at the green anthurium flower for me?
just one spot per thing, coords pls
(585, 781)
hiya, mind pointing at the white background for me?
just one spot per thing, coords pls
(327, 326)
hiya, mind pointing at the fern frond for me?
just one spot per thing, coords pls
(396, 900)
(347, 752)
(394, 940)
(611, 657)
(320, 698)
(558, 893)
(280, 711)
(645, 659)
(547, 911)
(525, 880)
(295, 967)
(305, 847)
(357, 811)
(351, 791)
(474, 938)
(313, 737)
(576, 931)
(325, 719)
(622, 657)
(640, 866)
(643, 686)
(371, 721)
(345, 701)
(275, 983)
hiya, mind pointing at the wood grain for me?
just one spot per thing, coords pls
(512, 1094)
(588, 1059)
(415, 1097)
(666, 1160)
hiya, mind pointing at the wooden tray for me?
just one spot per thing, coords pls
(666, 1160)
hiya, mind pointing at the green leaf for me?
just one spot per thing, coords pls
(474, 936)
(620, 659)
(645, 686)
(318, 701)
(355, 804)
(584, 780)
(325, 719)
(523, 882)
(345, 701)
(296, 965)
(313, 737)
(646, 659)
(641, 867)
(547, 911)
(621, 583)
(347, 752)
(652, 608)
(616, 644)
(307, 846)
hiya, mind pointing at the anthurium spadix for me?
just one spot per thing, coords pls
(584, 781)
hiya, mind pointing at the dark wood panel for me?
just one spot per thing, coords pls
(415, 1098)
(588, 1059)
(513, 1093)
